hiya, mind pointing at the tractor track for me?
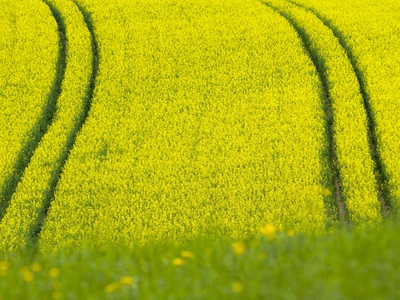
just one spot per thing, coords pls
(330, 132)
(78, 125)
(42, 125)
(379, 170)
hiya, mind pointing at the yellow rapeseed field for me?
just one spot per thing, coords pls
(207, 119)
(28, 59)
(355, 165)
(149, 121)
(371, 32)
(34, 191)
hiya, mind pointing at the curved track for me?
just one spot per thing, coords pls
(42, 124)
(380, 173)
(352, 155)
(32, 196)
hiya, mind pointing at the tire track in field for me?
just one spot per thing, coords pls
(379, 170)
(319, 66)
(43, 123)
(78, 126)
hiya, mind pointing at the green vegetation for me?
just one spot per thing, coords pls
(341, 265)
(199, 149)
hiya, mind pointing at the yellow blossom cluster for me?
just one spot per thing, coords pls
(122, 282)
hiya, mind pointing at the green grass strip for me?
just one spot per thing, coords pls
(341, 265)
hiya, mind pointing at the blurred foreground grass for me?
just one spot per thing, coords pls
(341, 265)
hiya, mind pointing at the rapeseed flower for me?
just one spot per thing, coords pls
(269, 231)
(4, 266)
(237, 287)
(178, 261)
(238, 248)
(187, 254)
(54, 272)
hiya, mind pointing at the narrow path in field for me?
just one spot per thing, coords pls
(314, 56)
(42, 125)
(380, 174)
(78, 125)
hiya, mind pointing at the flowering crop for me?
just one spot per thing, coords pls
(370, 30)
(355, 164)
(206, 119)
(28, 203)
(156, 121)
(28, 59)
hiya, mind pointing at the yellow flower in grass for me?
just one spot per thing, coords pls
(54, 272)
(237, 287)
(187, 254)
(269, 231)
(238, 248)
(126, 280)
(36, 267)
(111, 288)
(26, 274)
(178, 261)
(4, 266)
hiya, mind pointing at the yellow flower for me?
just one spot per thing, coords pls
(326, 192)
(291, 233)
(26, 274)
(126, 280)
(178, 261)
(4, 265)
(112, 287)
(36, 267)
(54, 272)
(237, 287)
(269, 231)
(238, 248)
(187, 254)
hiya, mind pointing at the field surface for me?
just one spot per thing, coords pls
(259, 129)
(147, 121)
